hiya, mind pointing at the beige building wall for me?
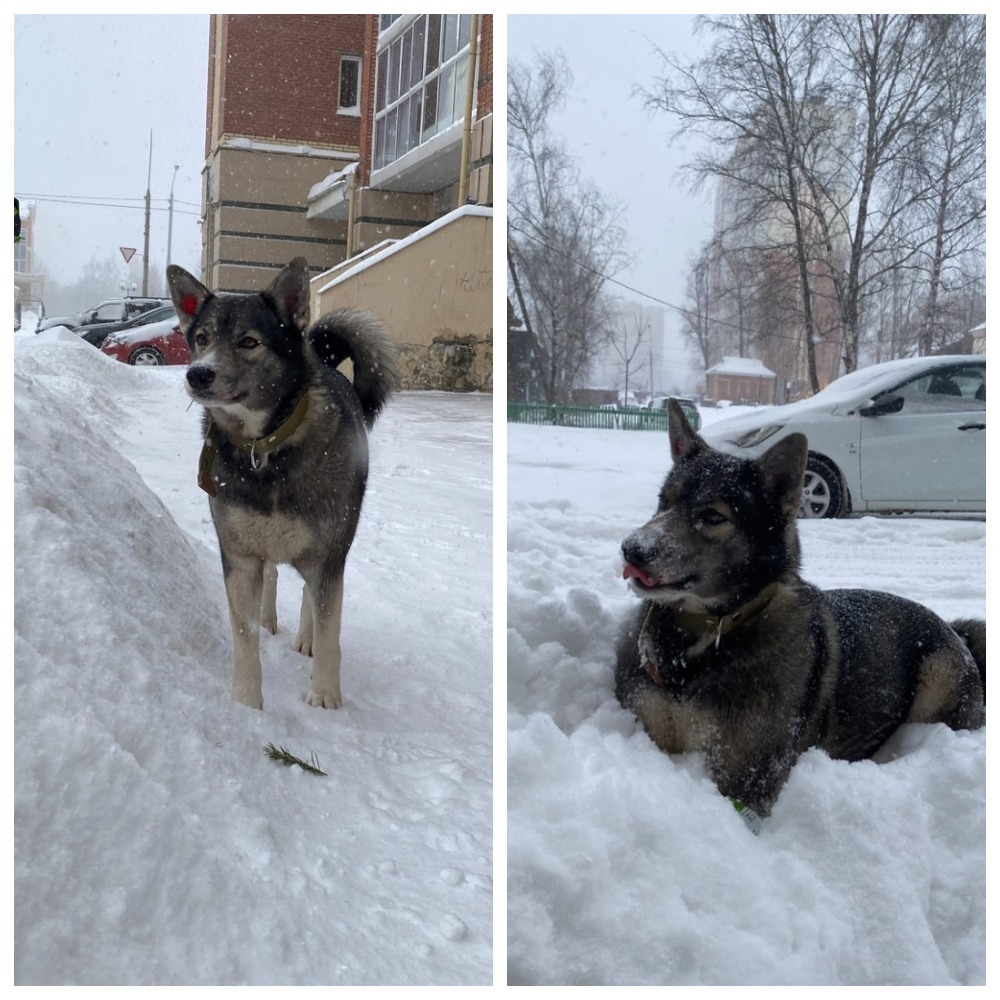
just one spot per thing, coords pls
(434, 292)
(388, 215)
(256, 216)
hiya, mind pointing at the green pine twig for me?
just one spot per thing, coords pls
(282, 756)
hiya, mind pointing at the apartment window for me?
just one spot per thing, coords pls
(420, 82)
(349, 101)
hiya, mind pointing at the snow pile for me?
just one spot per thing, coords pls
(154, 841)
(625, 865)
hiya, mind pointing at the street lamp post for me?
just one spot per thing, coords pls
(170, 217)
(145, 245)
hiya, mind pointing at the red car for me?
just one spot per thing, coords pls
(153, 344)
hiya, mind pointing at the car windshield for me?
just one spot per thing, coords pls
(153, 316)
(107, 313)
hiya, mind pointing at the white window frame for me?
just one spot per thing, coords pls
(353, 110)
(400, 102)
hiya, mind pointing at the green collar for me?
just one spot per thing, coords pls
(256, 446)
(699, 625)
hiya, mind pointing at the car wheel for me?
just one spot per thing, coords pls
(822, 492)
(146, 356)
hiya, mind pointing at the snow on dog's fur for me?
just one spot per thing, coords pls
(733, 654)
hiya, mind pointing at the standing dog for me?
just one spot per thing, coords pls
(733, 654)
(286, 454)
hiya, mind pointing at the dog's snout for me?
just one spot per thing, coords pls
(200, 377)
(638, 550)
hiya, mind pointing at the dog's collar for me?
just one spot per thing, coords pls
(256, 446)
(699, 625)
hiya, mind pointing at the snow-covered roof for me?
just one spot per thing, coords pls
(741, 366)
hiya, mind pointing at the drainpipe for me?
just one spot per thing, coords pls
(351, 193)
(470, 90)
(221, 31)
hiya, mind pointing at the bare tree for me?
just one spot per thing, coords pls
(811, 120)
(629, 336)
(696, 325)
(752, 98)
(566, 238)
(948, 174)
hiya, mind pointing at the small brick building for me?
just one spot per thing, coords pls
(740, 380)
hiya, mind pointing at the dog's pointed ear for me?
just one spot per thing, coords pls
(783, 467)
(187, 293)
(289, 293)
(683, 440)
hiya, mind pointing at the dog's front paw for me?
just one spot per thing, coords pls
(252, 699)
(303, 644)
(271, 624)
(325, 699)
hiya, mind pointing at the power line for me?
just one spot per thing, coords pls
(600, 274)
(686, 313)
(82, 198)
(85, 202)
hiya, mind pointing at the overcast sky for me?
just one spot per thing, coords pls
(620, 146)
(87, 91)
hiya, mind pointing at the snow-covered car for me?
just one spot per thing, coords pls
(94, 333)
(108, 311)
(688, 405)
(153, 344)
(906, 435)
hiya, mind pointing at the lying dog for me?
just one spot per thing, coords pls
(285, 461)
(733, 654)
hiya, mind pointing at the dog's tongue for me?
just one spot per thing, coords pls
(641, 575)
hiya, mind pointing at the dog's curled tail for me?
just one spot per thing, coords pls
(362, 337)
(972, 631)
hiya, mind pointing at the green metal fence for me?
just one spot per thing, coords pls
(627, 419)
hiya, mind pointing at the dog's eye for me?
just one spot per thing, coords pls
(712, 517)
(201, 339)
(249, 343)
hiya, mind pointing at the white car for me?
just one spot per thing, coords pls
(907, 435)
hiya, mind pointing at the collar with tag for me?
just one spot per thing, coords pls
(256, 446)
(699, 625)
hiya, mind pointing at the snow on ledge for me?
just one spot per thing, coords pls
(332, 180)
(298, 149)
(481, 211)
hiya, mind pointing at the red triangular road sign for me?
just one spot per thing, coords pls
(127, 253)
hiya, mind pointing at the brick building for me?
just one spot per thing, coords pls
(740, 380)
(350, 154)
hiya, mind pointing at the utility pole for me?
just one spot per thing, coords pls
(145, 254)
(170, 218)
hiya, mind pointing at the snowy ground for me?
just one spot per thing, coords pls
(625, 866)
(154, 841)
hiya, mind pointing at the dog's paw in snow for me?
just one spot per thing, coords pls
(325, 699)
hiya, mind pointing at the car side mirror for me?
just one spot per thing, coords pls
(884, 404)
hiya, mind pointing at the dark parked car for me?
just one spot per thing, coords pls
(108, 311)
(153, 344)
(94, 333)
(688, 405)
